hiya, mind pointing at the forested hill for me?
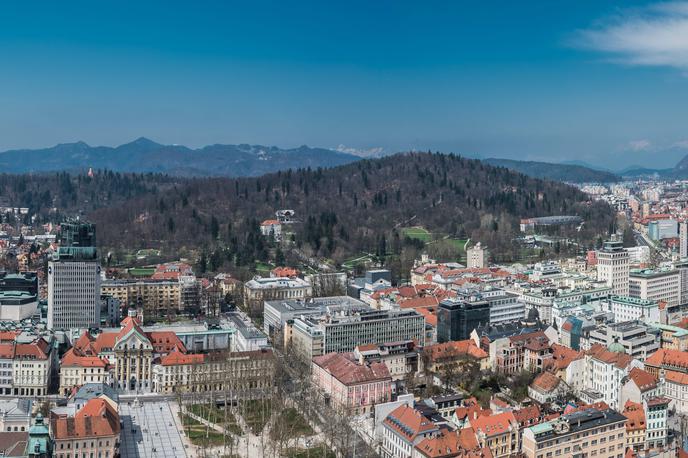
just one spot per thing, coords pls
(342, 211)
(569, 173)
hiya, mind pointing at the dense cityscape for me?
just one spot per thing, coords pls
(361, 229)
(559, 354)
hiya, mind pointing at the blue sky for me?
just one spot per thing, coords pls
(597, 81)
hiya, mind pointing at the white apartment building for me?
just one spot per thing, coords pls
(656, 285)
(683, 239)
(542, 299)
(262, 289)
(631, 309)
(504, 307)
(613, 266)
(73, 294)
(604, 371)
(344, 329)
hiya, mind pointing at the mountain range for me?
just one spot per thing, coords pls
(143, 155)
(571, 173)
(147, 156)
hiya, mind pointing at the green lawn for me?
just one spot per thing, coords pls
(318, 451)
(290, 421)
(218, 416)
(200, 434)
(417, 232)
(361, 258)
(263, 267)
(148, 252)
(256, 414)
(141, 271)
(458, 243)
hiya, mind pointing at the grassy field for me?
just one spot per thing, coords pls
(147, 252)
(141, 271)
(256, 414)
(217, 415)
(459, 243)
(361, 258)
(293, 423)
(417, 232)
(318, 451)
(263, 268)
(199, 434)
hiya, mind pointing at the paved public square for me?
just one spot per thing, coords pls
(149, 430)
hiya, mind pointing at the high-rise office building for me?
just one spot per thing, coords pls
(74, 279)
(683, 239)
(476, 257)
(613, 266)
(457, 318)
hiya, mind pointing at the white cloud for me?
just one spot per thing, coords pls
(653, 36)
(370, 152)
(683, 144)
(638, 145)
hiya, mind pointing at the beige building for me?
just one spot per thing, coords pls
(92, 432)
(32, 367)
(77, 369)
(499, 433)
(129, 352)
(156, 297)
(613, 266)
(476, 257)
(660, 285)
(222, 371)
(585, 433)
(262, 289)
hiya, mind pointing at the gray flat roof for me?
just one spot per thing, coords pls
(153, 424)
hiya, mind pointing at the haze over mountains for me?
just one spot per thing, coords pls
(559, 172)
(144, 155)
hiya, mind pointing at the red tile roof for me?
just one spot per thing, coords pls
(676, 377)
(349, 372)
(171, 271)
(453, 444)
(471, 410)
(285, 272)
(636, 416)
(455, 349)
(34, 350)
(528, 416)
(104, 342)
(600, 352)
(495, 425)
(643, 379)
(165, 342)
(430, 315)
(562, 357)
(525, 338)
(96, 419)
(664, 357)
(8, 336)
(71, 358)
(546, 382)
(409, 422)
(177, 358)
